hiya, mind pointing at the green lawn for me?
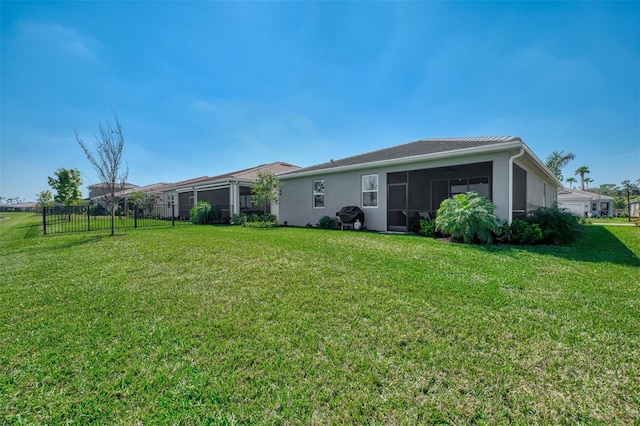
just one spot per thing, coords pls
(227, 325)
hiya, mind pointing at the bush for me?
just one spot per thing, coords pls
(558, 226)
(254, 220)
(427, 227)
(327, 222)
(520, 233)
(203, 213)
(238, 219)
(468, 217)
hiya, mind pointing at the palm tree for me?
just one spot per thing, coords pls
(557, 160)
(571, 181)
(588, 180)
(581, 171)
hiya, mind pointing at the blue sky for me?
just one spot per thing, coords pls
(204, 88)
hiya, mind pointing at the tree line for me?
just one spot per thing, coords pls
(558, 160)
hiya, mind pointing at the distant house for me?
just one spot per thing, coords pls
(397, 186)
(634, 207)
(229, 192)
(18, 207)
(585, 203)
(98, 190)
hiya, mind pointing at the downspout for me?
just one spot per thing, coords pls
(510, 213)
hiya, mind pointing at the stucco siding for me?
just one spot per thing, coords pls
(541, 191)
(344, 189)
(501, 184)
(341, 189)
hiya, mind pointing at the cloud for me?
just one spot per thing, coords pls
(61, 39)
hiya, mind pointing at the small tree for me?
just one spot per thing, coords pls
(44, 199)
(571, 181)
(108, 163)
(468, 217)
(146, 201)
(266, 190)
(66, 183)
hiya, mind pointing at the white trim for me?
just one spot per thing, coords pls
(314, 193)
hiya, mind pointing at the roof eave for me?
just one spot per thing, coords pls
(208, 183)
(408, 160)
(546, 170)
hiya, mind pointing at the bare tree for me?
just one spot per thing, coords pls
(108, 164)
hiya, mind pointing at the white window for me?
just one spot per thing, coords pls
(370, 191)
(318, 194)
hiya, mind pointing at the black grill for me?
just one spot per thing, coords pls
(349, 214)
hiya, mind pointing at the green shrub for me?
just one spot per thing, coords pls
(203, 213)
(468, 217)
(254, 220)
(558, 226)
(238, 219)
(327, 222)
(520, 233)
(427, 227)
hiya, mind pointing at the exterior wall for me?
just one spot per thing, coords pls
(634, 206)
(577, 208)
(341, 189)
(541, 191)
(501, 184)
(344, 189)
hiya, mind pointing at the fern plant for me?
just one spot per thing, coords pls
(468, 217)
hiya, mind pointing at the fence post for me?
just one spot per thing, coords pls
(135, 217)
(44, 220)
(88, 218)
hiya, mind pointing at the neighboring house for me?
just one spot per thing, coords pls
(585, 203)
(397, 186)
(155, 188)
(98, 190)
(230, 192)
(634, 207)
(18, 207)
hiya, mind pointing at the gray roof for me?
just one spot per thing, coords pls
(578, 194)
(413, 149)
(277, 168)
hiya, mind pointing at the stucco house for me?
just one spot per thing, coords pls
(634, 207)
(229, 192)
(397, 186)
(97, 191)
(585, 203)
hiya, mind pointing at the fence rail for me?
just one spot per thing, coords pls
(63, 219)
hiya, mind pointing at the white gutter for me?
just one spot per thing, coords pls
(513, 157)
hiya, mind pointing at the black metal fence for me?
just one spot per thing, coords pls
(61, 219)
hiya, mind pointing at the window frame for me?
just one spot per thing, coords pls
(376, 191)
(318, 193)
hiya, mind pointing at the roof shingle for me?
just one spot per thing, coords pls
(413, 149)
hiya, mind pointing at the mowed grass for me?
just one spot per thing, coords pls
(227, 325)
